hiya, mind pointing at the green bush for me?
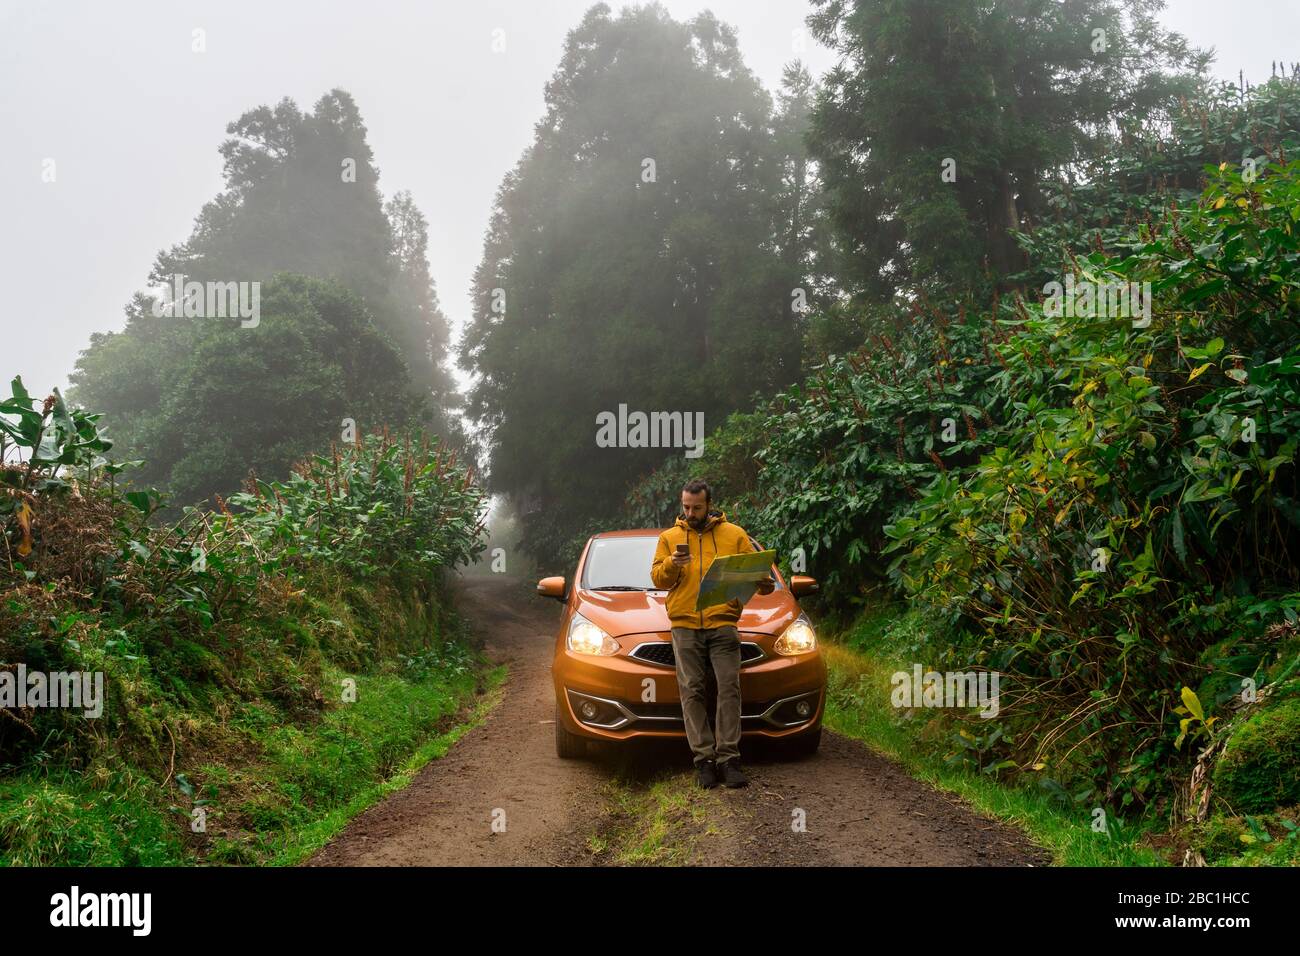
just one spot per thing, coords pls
(382, 505)
(1131, 532)
(215, 632)
(1260, 765)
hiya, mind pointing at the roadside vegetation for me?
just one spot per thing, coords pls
(1100, 508)
(268, 665)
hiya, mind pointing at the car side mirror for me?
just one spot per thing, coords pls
(801, 584)
(551, 587)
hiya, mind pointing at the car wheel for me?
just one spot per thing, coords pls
(805, 745)
(567, 745)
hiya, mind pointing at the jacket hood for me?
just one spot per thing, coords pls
(714, 518)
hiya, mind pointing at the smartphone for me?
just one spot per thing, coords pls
(683, 549)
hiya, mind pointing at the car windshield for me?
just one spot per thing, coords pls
(619, 563)
(622, 564)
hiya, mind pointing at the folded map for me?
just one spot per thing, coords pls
(734, 577)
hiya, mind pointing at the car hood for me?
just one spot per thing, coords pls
(644, 612)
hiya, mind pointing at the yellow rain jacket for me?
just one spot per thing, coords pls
(683, 584)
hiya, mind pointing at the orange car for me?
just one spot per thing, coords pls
(615, 675)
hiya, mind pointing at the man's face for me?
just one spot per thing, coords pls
(695, 508)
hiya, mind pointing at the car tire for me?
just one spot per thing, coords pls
(567, 746)
(805, 745)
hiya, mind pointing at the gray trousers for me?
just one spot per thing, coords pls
(695, 650)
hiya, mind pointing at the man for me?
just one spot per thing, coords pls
(707, 638)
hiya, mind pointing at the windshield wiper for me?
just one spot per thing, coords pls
(620, 587)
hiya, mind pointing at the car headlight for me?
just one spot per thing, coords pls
(799, 638)
(586, 638)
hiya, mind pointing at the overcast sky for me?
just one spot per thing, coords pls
(113, 93)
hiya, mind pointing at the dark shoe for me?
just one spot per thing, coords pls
(706, 775)
(731, 775)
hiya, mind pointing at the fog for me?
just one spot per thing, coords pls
(132, 117)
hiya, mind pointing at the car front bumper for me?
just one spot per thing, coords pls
(780, 696)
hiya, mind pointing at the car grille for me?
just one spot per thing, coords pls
(661, 652)
(621, 714)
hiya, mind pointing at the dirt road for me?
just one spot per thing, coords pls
(859, 809)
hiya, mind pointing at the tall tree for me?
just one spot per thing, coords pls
(634, 256)
(943, 118)
(231, 399)
(426, 332)
(301, 196)
(804, 238)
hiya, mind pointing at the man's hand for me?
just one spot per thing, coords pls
(766, 585)
(681, 558)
